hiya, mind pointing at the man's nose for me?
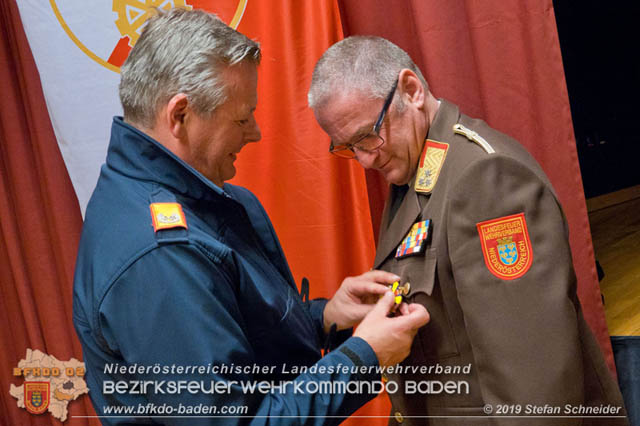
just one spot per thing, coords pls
(366, 158)
(253, 134)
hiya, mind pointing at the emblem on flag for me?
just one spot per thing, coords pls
(416, 239)
(131, 17)
(167, 215)
(506, 246)
(36, 397)
(431, 161)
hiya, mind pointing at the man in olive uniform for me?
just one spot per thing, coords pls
(475, 230)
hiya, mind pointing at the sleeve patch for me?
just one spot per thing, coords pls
(506, 246)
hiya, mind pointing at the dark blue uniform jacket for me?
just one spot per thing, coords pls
(218, 295)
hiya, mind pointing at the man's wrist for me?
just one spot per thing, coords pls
(328, 316)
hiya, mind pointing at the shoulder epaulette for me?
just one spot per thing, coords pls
(167, 216)
(473, 136)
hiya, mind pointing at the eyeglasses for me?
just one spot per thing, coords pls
(370, 142)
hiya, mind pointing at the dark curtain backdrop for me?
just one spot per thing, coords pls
(39, 226)
(499, 60)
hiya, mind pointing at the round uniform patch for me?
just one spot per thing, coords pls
(506, 246)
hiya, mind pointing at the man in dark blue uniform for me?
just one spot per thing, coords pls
(183, 298)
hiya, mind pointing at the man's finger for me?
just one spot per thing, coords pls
(384, 305)
(382, 277)
(404, 309)
(363, 288)
(416, 317)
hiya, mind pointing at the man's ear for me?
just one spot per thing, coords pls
(175, 115)
(412, 88)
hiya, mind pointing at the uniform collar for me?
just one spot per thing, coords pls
(410, 209)
(137, 155)
(442, 125)
(440, 129)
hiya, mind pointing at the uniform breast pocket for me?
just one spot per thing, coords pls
(435, 340)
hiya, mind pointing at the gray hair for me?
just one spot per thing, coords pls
(181, 51)
(366, 64)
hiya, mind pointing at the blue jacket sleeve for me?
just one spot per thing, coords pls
(176, 307)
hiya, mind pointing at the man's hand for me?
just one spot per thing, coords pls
(355, 298)
(391, 337)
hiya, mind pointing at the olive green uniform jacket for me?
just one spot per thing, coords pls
(524, 342)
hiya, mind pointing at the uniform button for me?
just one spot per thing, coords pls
(399, 417)
(385, 378)
(406, 289)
